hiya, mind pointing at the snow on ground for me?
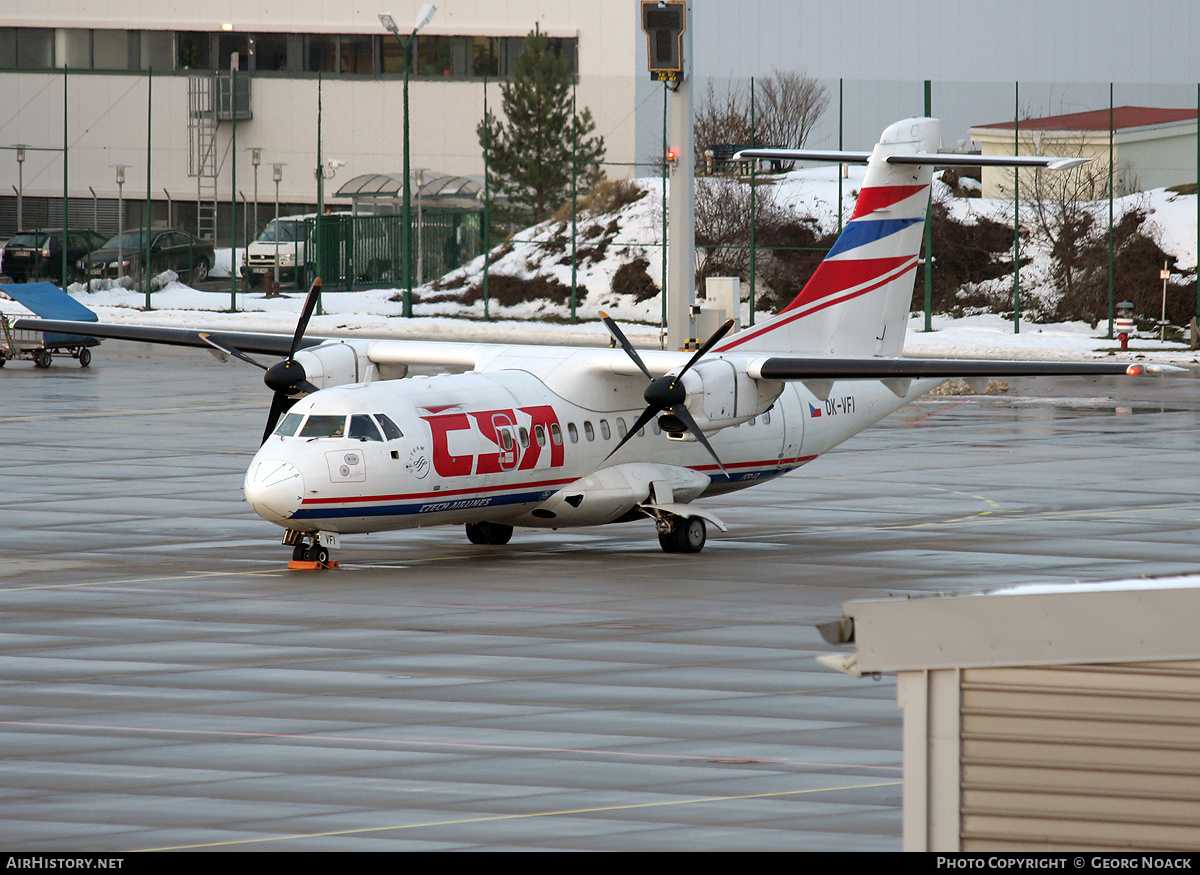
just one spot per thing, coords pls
(373, 314)
(634, 231)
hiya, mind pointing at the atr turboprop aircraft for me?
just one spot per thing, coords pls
(561, 436)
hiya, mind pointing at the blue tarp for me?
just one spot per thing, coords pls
(50, 302)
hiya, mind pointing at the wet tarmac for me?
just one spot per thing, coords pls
(165, 682)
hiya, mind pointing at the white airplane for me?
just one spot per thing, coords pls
(552, 437)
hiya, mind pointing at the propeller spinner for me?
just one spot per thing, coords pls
(667, 393)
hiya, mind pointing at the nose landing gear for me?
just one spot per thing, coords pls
(308, 553)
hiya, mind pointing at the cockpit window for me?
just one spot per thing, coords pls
(362, 428)
(288, 426)
(324, 426)
(389, 428)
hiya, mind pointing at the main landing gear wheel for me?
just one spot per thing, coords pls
(489, 533)
(686, 535)
(310, 553)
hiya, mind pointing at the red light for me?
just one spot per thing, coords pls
(672, 155)
(1135, 370)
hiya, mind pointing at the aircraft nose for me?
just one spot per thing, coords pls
(274, 489)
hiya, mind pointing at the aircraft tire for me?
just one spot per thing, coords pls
(489, 533)
(85, 357)
(310, 553)
(686, 535)
(42, 358)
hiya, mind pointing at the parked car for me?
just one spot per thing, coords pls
(285, 236)
(170, 249)
(30, 255)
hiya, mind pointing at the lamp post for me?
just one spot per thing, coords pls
(255, 160)
(389, 23)
(277, 176)
(20, 186)
(121, 216)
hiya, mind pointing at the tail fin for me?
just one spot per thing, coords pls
(857, 301)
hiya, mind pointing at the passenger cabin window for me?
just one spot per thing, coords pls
(540, 434)
(555, 434)
(390, 430)
(524, 437)
(572, 432)
(621, 427)
(363, 428)
(288, 426)
(588, 431)
(323, 427)
(605, 431)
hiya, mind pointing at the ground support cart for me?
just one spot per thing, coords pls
(49, 302)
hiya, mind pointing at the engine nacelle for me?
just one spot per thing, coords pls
(720, 395)
(337, 364)
(611, 493)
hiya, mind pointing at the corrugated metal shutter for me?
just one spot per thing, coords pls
(1092, 756)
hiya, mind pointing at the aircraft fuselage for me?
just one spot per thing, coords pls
(499, 446)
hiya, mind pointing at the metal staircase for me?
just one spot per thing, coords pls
(202, 150)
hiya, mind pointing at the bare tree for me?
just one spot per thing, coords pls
(790, 106)
(787, 105)
(722, 119)
(723, 220)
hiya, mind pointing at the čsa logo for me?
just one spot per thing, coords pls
(489, 441)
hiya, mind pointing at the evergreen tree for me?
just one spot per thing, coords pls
(530, 154)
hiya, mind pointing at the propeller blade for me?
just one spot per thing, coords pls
(648, 414)
(229, 350)
(685, 416)
(616, 332)
(708, 344)
(310, 305)
(280, 404)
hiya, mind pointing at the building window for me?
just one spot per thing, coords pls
(193, 51)
(435, 56)
(110, 49)
(357, 55)
(156, 50)
(35, 48)
(321, 54)
(485, 56)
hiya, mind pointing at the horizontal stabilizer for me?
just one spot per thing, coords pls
(938, 159)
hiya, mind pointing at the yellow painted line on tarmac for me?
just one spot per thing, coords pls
(565, 812)
(191, 575)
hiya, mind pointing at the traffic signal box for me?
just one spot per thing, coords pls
(664, 24)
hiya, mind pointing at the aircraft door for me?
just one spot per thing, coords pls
(506, 435)
(791, 417)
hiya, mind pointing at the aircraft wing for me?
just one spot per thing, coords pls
(414, 352)
(794, 368)
(267, 344)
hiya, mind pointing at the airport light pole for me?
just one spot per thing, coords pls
(277, 176)
(389, 23)
(121, 217)
(20, 186)
(255, 160)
